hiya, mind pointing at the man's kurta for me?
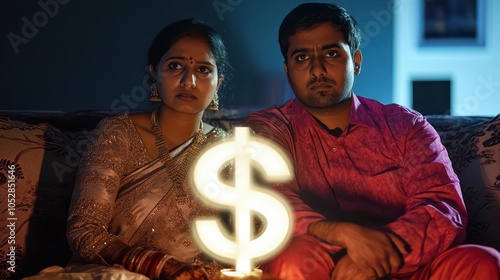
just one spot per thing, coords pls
(387, 169)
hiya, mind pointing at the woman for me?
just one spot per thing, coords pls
(131, 209)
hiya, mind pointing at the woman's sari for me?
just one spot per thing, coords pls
(122, 194)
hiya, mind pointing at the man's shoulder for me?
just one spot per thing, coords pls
(274, 112)
(391, 111)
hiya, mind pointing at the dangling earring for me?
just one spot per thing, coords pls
(356, 69)
(153, 93)
(214, 105)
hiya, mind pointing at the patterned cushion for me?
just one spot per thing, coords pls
(45, 162)
(475, 153)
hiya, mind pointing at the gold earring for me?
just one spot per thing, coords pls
(153, 93)
(214, 105)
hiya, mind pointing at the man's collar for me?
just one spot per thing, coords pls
(358, 116)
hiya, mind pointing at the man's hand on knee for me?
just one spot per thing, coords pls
(376, 253)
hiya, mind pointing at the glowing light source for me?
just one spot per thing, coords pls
(243, 198)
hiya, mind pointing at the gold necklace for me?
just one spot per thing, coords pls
(177, 172)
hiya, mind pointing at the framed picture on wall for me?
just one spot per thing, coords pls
(453, 22)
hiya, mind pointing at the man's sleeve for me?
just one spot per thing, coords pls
(435, 216)
(273, 126)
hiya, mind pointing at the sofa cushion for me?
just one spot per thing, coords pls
(475, 153)
(43, 161)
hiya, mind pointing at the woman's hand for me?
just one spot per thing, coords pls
(192, 272)
(177, 270)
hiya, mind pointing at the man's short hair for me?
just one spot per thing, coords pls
(308, 16)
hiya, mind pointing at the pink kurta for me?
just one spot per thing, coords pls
(387, 169)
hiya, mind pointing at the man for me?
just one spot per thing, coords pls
(374, 193)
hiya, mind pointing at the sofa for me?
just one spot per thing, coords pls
(40, 153)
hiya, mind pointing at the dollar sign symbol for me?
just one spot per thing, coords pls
(244, 197)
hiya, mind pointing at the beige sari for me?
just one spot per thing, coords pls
(122, 194)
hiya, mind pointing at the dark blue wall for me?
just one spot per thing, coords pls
(72, 55)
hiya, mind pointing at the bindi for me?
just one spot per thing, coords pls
(191, 60)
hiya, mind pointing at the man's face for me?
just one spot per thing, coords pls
(320, 67)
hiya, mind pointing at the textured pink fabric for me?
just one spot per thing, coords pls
(464, 262)
(303, 259)
(306, 259)
(388, 169)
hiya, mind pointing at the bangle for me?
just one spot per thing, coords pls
(147, 264)
(132, 257)
(125, 256)
(160, 265)
(141, 261)
(155, 259)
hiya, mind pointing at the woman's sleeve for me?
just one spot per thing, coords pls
(96, 187)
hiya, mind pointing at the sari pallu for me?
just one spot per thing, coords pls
(121, 194)
(148, 214)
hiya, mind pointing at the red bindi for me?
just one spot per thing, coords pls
(191, 60)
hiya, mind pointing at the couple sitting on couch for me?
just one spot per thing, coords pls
(374, 192)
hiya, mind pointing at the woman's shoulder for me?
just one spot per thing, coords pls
(119, 132)
(141, 120)
(215, 133)
(117, 126)
(110, 122)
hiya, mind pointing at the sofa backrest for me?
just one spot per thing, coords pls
(42, 150)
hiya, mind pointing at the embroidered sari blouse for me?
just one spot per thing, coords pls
(120, 193)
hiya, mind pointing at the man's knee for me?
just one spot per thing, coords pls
(473, 261)
(475, 253)
(303, 258)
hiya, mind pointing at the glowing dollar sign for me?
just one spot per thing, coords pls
(243, 198)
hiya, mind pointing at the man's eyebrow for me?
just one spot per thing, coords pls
(331, 46)
(325, 47)
(300, 50)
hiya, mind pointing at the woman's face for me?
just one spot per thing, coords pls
(187, 76)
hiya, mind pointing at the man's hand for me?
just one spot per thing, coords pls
(374, 252)
(346, 269)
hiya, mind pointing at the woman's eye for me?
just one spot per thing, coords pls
(204, 70)
(175, 66)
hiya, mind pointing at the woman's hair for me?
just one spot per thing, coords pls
(310, 15)
(192, 28)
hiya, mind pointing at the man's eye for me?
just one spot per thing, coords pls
(332, 54)
(301, 57)
(175, 66)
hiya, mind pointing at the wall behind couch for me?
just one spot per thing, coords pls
(68, 55)
(474, 71)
